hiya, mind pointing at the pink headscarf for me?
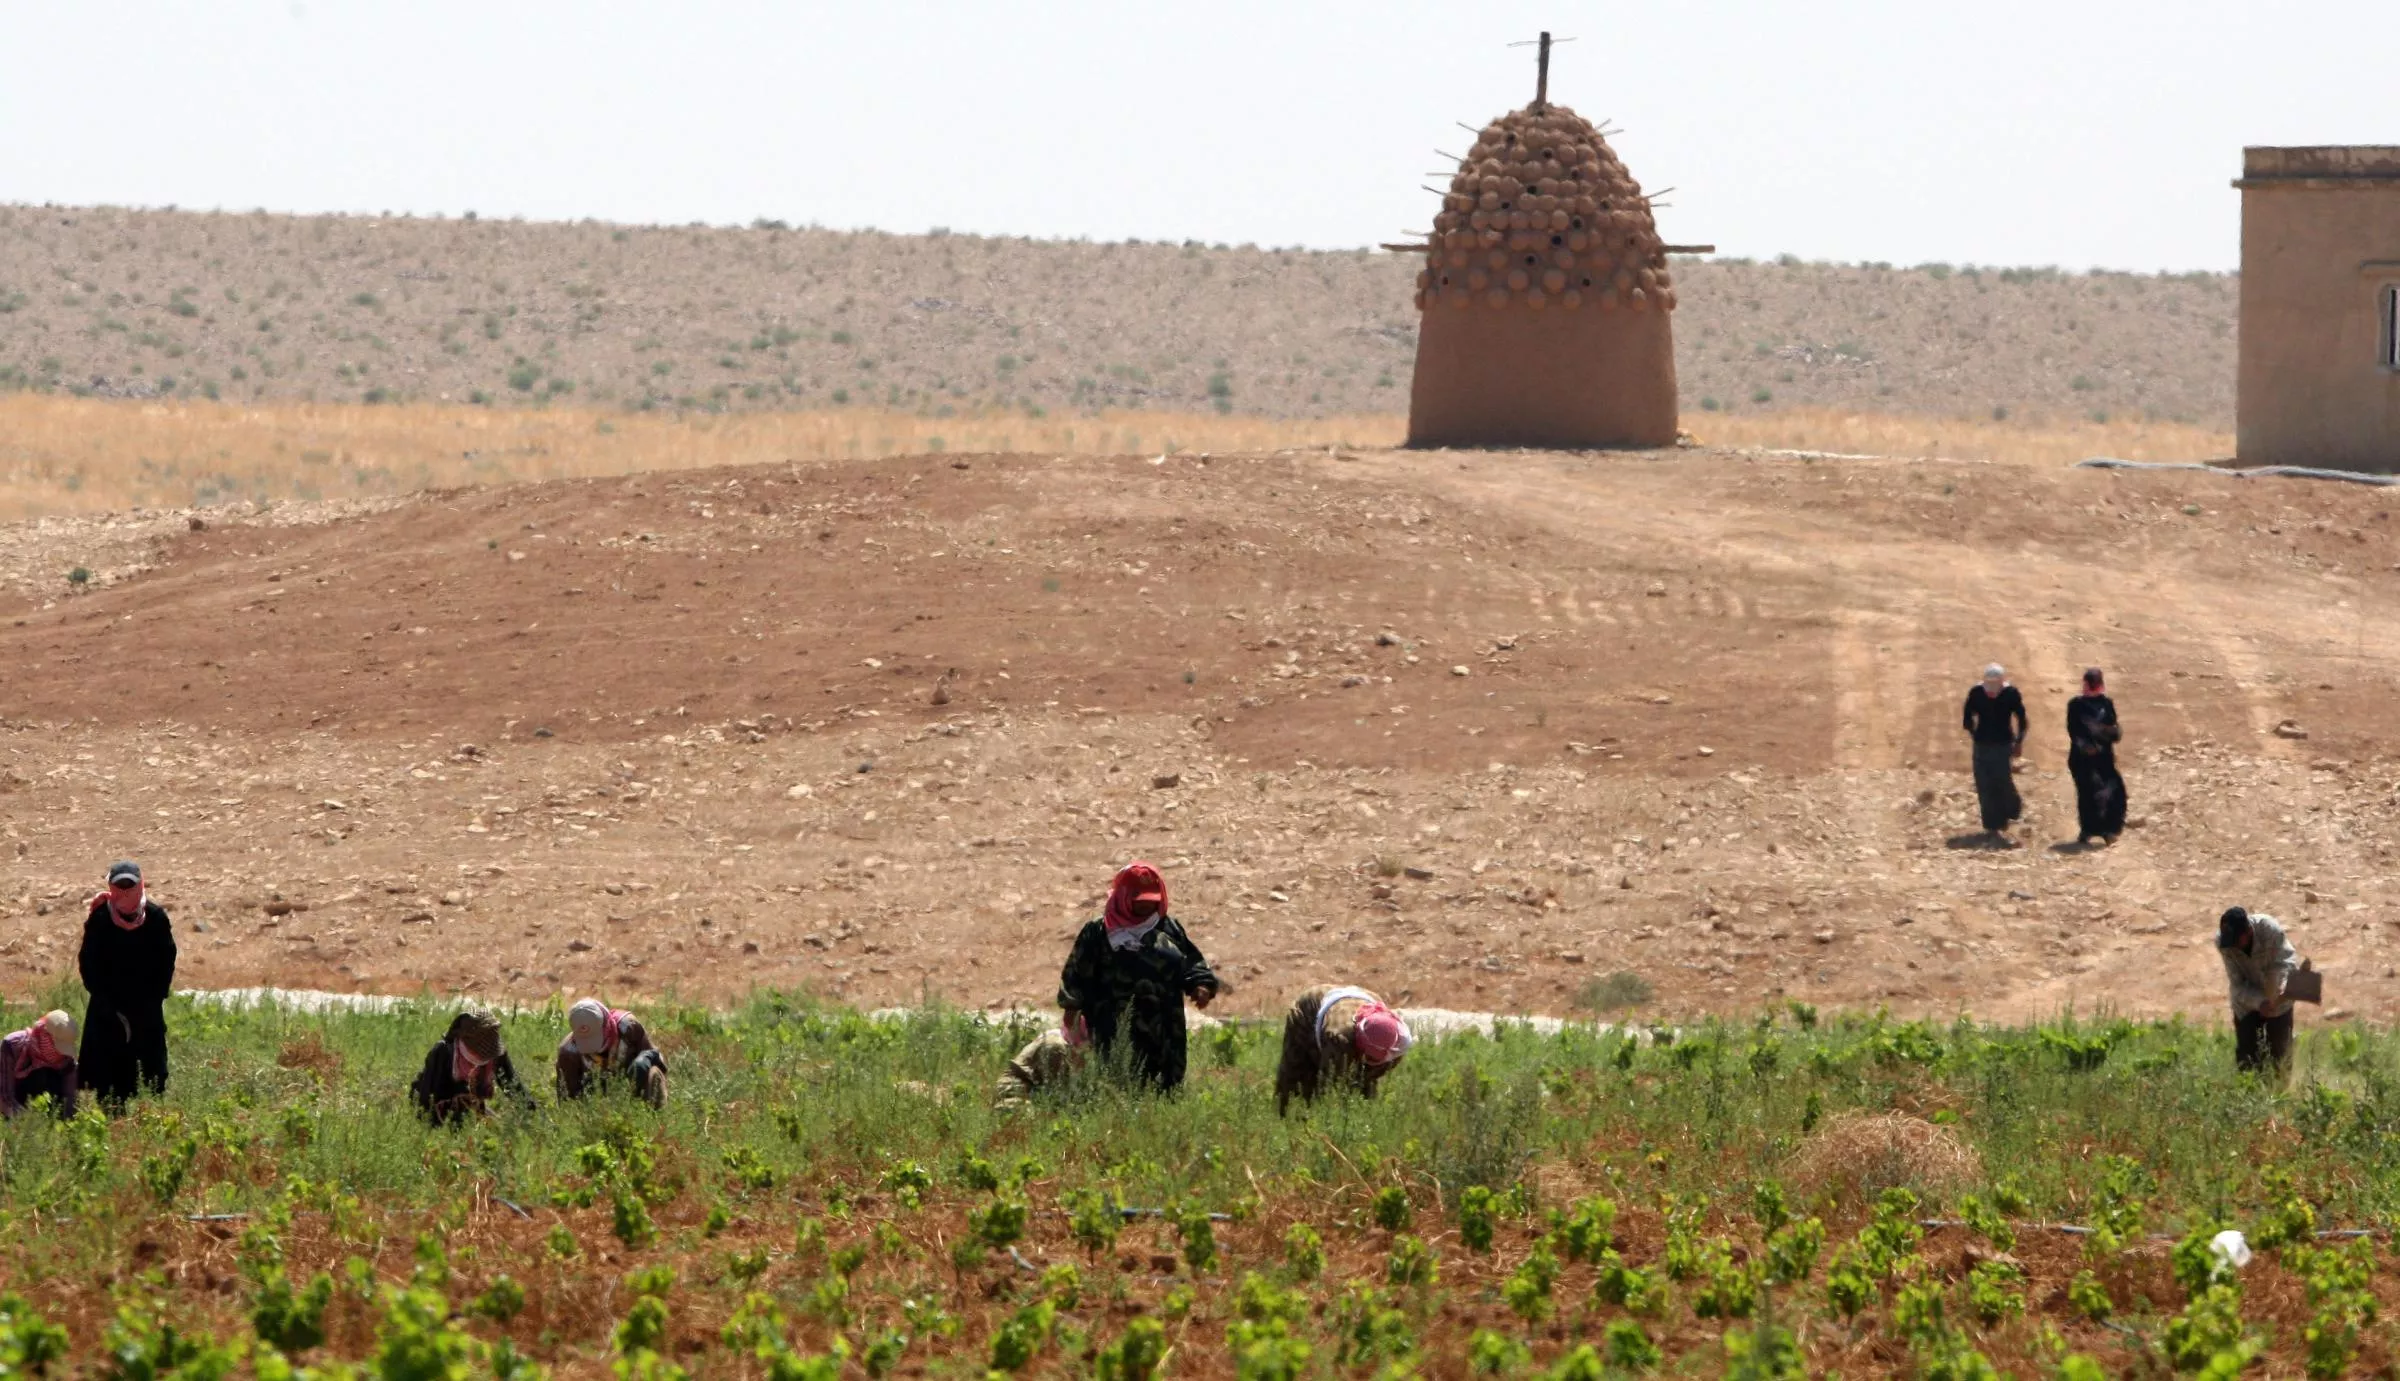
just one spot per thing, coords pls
(474, 1073)
(1381, 1036)
(141, 901)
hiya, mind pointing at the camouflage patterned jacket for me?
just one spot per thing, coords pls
(1137, 993)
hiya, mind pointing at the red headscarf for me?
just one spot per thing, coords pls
(141, 907)
(1136, 880)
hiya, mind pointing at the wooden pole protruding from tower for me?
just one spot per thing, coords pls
(1541, 73)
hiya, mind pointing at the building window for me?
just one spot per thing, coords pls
(2389, 356)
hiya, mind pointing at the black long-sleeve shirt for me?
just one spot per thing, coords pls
(127, 970)
(1996, 718)
(2092, 725)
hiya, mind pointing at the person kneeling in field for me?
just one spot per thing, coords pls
(466, 1069)
(1045, 1061)
(1337, 1035)
(36, 1061)
(604, 1043)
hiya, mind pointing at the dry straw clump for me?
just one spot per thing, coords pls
(1865, 1153)
(1541, 212)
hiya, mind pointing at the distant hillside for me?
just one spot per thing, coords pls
(258, 306)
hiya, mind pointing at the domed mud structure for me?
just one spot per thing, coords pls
(1545, 297)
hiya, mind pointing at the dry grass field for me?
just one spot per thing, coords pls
(256, 307)
(80, 455)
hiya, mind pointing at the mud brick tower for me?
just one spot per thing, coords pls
(1545, 298)
(2320, 338)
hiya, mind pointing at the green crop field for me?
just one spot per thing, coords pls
(827, 1195)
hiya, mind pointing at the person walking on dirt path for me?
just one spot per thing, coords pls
(1127, 976)
(2092, 734)
(1995, 719)
(465, 1071)
(2259, 964)
(605, 1044)
(39, 1061)
(128, 966)
(1338, 1036)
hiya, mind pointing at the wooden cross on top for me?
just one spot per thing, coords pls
(1541, 69)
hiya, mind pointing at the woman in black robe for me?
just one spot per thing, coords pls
(1995, 720)
(2092, 735)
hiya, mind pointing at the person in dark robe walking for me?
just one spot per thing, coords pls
(2092, 734)
(128, 966)
(38, 1062)
(1995, 720)
(1127, 976)
(606, 1044)
(467, 1069)
(1337, 1036)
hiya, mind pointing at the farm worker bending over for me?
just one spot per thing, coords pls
(39, 1060)
(2259, 963)
(128, 966)
(1047, 1059)
(465, 1070)
(1340, 1036)
(1128, 975)
(1995, 719)
(604, 1043)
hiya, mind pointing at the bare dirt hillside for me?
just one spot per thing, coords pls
(1471, 729)
(151, 303)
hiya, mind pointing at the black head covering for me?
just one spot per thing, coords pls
(2232, 926)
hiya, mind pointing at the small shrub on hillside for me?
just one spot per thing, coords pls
(289, 1320)
(1475, 1218)
(1496, 1354)
(1199, 1235)
(1390, 1208)
(2088, 1297)
(1792, 1251)
(1303, 1252)
(1016, 1341)
(1626, 1345)
(1412, 1262)
(1136, 1355)
(1588, 1229)
(29, 1343)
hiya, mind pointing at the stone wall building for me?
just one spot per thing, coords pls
(2320, 332)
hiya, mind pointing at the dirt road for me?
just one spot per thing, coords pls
(884, 729)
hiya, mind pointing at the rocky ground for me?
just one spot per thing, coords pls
(1475, 729)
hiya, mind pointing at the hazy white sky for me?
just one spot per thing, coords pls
(2099, 133)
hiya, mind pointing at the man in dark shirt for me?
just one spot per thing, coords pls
(128, 966)
(1995, 719)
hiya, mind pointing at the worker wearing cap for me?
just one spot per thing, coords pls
(1337, 1036)
(604, 1043)
(39, 1061)
(465, 1071)
(2259, 963)
(1127, 977)
(128, 966)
